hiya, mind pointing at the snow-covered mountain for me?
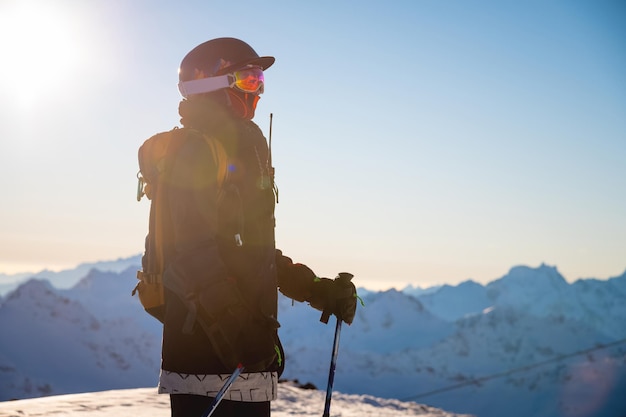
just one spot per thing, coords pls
(55, 344)
(66, 278)
(525, 344)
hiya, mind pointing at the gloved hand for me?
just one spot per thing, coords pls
(299, 282)
(336, 297)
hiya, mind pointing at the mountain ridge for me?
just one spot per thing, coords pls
(399, 346)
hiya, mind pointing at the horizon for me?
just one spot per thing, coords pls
(374, 286)
(414, 142)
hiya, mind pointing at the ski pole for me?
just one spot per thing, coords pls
(333, 360)
(220, 395)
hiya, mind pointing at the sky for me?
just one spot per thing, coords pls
(415, 142)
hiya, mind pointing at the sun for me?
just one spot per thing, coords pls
(40, 47)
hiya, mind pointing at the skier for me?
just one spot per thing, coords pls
(221, 269)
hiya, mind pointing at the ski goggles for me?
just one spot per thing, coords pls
(248, 80)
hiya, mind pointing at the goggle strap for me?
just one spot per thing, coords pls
(204, 85)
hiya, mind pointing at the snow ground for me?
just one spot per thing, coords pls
(145, 402)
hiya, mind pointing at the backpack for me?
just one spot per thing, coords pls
(156, 156)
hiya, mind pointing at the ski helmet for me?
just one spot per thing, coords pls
(220, 56)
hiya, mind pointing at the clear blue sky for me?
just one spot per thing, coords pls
(415, 142)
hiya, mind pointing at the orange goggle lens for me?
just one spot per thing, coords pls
(249, 80)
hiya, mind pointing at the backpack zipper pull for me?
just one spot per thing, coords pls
(140, 186)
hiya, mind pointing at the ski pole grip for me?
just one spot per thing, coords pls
(342, 277)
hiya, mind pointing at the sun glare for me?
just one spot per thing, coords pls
(40, 50)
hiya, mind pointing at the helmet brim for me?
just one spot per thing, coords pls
(263, 61)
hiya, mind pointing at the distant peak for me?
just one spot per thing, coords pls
(527, 272)
(469, 283)
(535, 283)
(36, 283)
(34, 287)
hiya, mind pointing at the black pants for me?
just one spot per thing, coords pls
(186, 405)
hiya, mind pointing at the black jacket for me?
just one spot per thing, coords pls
(219, 259)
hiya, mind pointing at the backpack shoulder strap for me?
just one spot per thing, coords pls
(156, 155)
(218, 153)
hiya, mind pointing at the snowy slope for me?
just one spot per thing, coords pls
(507, 348)
(601, 302)
(144, 402)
